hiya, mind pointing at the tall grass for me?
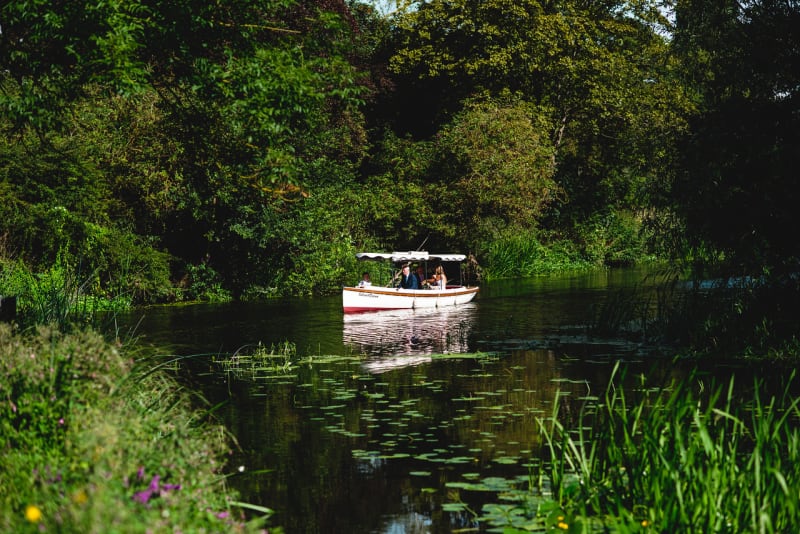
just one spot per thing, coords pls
(58, 296)
(94, 442)
(523, 254)
(754, 318)
(55, 297)
(692, 458)
(656, 315)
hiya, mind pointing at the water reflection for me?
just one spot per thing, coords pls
(399, 338)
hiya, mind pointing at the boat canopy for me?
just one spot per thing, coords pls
(412, 255)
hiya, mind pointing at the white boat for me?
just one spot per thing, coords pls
(376, 297)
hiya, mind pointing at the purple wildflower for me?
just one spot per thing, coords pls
(145, 495)
(154, 489)
(142, 496)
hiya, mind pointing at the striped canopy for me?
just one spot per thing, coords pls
(413, 255)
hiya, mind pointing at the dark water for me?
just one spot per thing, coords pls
(389, 437)
(524, 309)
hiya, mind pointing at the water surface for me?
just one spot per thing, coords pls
(402, 431)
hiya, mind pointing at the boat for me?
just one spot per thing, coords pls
(376, 297)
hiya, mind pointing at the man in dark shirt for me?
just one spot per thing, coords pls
(421, 278)
(407, 279)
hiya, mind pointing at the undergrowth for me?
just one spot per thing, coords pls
(93, 441)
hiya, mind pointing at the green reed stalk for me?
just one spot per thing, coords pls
(690, 458)
(523, 254)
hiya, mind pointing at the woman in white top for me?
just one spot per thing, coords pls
(439, 278)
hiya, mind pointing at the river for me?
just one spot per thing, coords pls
(399, 422)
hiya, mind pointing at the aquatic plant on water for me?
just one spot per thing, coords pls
(259, 361)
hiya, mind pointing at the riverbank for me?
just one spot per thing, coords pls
(95, 440)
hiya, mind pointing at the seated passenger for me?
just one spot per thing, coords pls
(407, 279)
(365, 280)
(421, 279)
(439, 278)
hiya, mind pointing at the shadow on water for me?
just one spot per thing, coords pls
(422, 418)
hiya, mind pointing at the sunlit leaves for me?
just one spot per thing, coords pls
(265, 71)
(505, 163)
(51, 51)
(597, 73)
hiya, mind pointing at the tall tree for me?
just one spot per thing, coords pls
(597, 72)
(737, 191)
(253, 102)
(497, 169)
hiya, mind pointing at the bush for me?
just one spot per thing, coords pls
(517, 254)
(612, 239)
(204, 283)
(93, 442)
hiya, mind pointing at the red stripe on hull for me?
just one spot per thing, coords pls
(360, 310)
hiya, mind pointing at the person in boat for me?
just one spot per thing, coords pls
(439, 280)
(421, 278)
(365, 280)
(408, 280)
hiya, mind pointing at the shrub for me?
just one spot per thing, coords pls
(612, 239)
(94, 442)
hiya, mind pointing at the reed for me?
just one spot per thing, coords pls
(59, 296)
(692, 458)
(524, 254)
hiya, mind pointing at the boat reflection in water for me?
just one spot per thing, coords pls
(398, 338)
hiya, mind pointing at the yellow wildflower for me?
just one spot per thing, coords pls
(33, 514)
(645, 523)
(80, 497)
(562, 525)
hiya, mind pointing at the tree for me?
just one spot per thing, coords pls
(251, 105)
(736, 190)
(598, 73)
(497, 168)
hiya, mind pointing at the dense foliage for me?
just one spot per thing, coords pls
(93, 442)
(168, 151)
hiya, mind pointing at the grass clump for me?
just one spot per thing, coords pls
(524, 254)
(94, 442)
(277, 360)
(692, 458)
(58, 296)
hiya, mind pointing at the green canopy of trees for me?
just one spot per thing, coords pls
(254, 146)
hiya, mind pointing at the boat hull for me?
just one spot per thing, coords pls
(362, 299)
